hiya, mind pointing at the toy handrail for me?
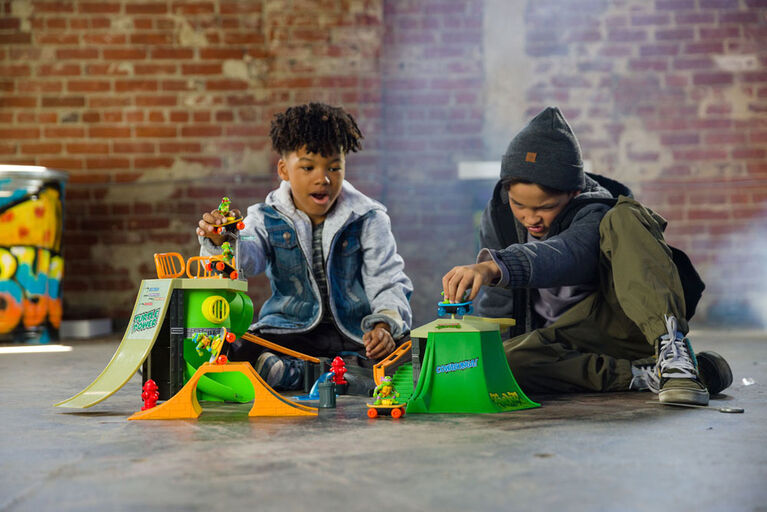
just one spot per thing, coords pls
(201, 272)
(169, 265)
(277, 348)
(379, 369)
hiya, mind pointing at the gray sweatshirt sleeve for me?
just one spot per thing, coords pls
(387, 287)
(569, 258)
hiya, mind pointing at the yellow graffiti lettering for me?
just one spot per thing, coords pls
(7, 264)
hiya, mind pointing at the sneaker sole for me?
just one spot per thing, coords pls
(715, 371)
(684, 396)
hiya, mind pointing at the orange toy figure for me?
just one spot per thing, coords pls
(150, 394)
(338, 369)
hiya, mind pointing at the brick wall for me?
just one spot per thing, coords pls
(157, 109)
(671, 97)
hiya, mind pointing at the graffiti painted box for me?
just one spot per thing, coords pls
(31, 264)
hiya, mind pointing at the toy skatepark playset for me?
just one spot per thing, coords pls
(450, 365)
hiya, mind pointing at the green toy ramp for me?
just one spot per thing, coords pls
(465, 370)
(148, 313)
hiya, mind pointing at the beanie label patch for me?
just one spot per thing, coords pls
(530, 157)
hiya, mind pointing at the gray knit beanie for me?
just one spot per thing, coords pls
(545, 152)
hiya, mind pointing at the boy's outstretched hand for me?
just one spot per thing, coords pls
(459, 279)
(378, 341)
(207, 225)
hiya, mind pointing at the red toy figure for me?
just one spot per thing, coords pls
(149, 395)
(338, 368)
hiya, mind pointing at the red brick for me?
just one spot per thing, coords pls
(133, 147)
(719, 4)
(707, 34)
(108, 101)
(15, 70)
(151, 39)
(135, 85)
(155, 131)
(704, 47)
(146, 8)
(10, 23)
(180, 147)
(155, 68)
(193, 7)
(652, 19)
(16, 38)
(104, 39)
(77, 53)
(19, 133)
(88, 86)
(18, 101)
(739, 17)
(658, 50)
(147, 163)
(712, 78)
(675, 34)
(58, 39)
(749, 153)
(105, 162)
(677, 139)
(48, 7)
(201, 131)
(41, 148)
(87, 147)
(201, 68)
(99, 7)
(59, 69)
(172, 53)
(124, 54)
(156, 101)
(221, 53)
(64, 132)
(109, 132)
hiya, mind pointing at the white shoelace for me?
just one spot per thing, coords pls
(673, 354)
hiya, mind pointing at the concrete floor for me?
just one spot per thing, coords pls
(578, 452)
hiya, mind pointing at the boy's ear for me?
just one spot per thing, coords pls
(282, 169)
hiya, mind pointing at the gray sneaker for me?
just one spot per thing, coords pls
(281, 372)
(677, 369)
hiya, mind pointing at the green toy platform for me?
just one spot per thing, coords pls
(463, 369)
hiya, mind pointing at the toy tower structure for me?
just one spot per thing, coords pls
(459, 366)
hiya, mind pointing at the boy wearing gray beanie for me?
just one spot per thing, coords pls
(601, 301)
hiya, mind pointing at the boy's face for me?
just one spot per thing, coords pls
(315, 181)
(535, 208)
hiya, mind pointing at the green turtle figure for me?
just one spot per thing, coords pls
(224, 206)
(385, 394)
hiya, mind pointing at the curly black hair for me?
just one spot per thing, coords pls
(321, 128)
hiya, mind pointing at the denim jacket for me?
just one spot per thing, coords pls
(366, 279)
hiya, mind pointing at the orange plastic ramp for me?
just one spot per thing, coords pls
(379, 370)
(184, 404)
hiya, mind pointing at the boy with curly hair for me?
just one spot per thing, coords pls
(338, 284)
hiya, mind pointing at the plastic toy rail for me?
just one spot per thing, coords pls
(277, 348)
(169, 265)
(379, 370)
